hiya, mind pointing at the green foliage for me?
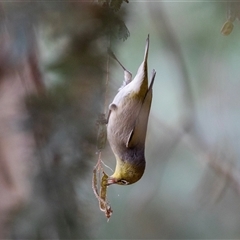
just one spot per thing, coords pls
(115, 5)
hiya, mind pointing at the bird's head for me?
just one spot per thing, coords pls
(126, 172)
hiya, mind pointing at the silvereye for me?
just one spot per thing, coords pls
(127, 124)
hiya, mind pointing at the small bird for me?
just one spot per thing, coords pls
(127, 124)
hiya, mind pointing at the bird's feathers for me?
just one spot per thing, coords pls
(127, 124)
(138, 134)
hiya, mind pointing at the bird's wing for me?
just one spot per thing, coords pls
(138, 133)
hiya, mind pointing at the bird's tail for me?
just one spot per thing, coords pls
(146, 49)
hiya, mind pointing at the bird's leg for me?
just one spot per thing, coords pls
(127, 74)
(109, 113)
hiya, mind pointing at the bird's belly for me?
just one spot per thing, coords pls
(121, 123)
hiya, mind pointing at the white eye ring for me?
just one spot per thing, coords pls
(124, 182)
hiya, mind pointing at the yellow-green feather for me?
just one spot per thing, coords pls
(128, 171)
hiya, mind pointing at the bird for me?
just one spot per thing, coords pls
(127, 123)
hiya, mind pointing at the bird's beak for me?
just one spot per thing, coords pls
(111, 181)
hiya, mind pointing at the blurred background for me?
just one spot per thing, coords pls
(55, 80)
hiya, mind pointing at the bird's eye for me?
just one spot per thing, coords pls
(123, 182)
